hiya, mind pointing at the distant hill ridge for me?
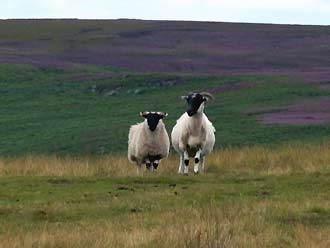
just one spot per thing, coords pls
(208, 48)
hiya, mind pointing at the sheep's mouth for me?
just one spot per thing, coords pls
(191, 112)
(152, 125)
(152, 128)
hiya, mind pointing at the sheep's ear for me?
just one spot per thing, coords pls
(144, 114)
(184, 97)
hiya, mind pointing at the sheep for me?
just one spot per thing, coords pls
(148, 141)
(193, 134)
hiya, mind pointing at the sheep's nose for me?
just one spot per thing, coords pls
(190, 112)
(152, 128)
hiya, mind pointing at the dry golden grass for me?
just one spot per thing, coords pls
(279, 219)
(258, 160)
(215, 226)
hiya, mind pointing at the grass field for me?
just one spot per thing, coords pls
(74, 87)
(70, 89)
(88, 110)
(249, 197)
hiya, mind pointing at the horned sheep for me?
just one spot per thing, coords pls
(148, 141)
(193, 135)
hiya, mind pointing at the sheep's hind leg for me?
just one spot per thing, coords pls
(138, 169)
(186, 163)
(181, 164)
(197, 159)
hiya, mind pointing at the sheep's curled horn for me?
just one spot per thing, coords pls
(207, 95)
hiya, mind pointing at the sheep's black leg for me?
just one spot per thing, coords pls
(197, 159)
(155, 164)
(148, 164)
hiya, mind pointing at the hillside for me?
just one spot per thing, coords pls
(167, 46)
(75, 86)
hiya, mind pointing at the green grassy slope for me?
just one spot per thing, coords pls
(235, 211)
(89, 109)
(197, 192)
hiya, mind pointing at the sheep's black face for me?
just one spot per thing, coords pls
(194, 102)
(153, 118)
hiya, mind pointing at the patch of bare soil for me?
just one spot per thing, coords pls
(314, 111)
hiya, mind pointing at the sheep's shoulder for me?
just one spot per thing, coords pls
(208, 124)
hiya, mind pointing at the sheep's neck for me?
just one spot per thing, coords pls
(195, 121)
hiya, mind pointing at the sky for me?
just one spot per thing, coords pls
(256, 11)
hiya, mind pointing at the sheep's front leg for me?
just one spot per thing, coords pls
(203, 164)
(186, 162)
(181, 164)
(148, 164)
(197, 159)
(155, 165)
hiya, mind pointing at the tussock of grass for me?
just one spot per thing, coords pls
(257, 160)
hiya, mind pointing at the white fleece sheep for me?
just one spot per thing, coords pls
(148, 142)
(193, 135)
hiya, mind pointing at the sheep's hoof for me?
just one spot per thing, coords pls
(196, 160)
(186, 162)
(185, 174)
(195, 172)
